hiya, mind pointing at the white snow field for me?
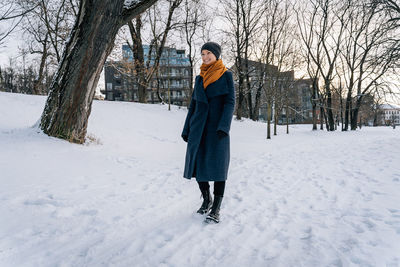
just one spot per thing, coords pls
(303, 199)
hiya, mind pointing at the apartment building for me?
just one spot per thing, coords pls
(169, 83)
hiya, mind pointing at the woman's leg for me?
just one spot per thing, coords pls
(203, 186)
(207, 199)
(219, 188)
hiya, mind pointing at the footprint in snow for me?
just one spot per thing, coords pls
(128, 162)
(42, 201)
(341, 182)
(306, 233)
(370, 225)
(395, 213)
(237, 197)
(88, 212)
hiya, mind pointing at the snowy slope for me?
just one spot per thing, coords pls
(304, 199)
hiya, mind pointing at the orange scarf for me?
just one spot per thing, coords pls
(212, 72)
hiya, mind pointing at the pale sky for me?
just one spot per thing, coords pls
(10, 47)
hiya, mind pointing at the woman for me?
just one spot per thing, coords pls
(206, 129)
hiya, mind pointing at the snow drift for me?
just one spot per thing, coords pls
(303, 199)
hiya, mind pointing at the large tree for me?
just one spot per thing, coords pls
(90, 42)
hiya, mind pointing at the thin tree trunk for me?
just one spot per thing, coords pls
(326, 121)
(322, 115)
(138, 56)
(330, 120)
(314, 104)
(287, 119)
(269, 113)
(354, 118)
(257, 103)
(275, 120)
(341, 112)
(38, 87)
(239, 112)
(191, 74)
(238, 63)
(160, 99)
(314, 116)
(347, 111)
(350, 112)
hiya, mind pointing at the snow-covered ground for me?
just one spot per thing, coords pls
(303, 199)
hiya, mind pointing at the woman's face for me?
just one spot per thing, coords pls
(208, 57)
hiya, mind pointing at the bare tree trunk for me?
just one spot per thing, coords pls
(257, 102)
(341, 112)
(330, 120)
(138, 56)
(314, 116)
(37, 87)
(275, 120)
(239, 111)
(287, 119)
(91, 40)
(347, 110)
(314, 103)
(326, 121)
(160, 99)
(238, 62)
(355, 114)
(269, 114)
(322, 116)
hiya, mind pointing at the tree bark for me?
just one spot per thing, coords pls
(138, 56)
(322, 116)
(287, 119)
(275, 120)
(330, 120)
(269, 115)
(90, 42)
(38, 87)
(355, 114)
(257, 101)
(314, 103)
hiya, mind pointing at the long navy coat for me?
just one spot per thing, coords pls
(207, 128)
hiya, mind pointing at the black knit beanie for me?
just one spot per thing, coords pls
(213, 48)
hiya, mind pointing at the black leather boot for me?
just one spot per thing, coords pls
(207, 201)
(213, 216)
